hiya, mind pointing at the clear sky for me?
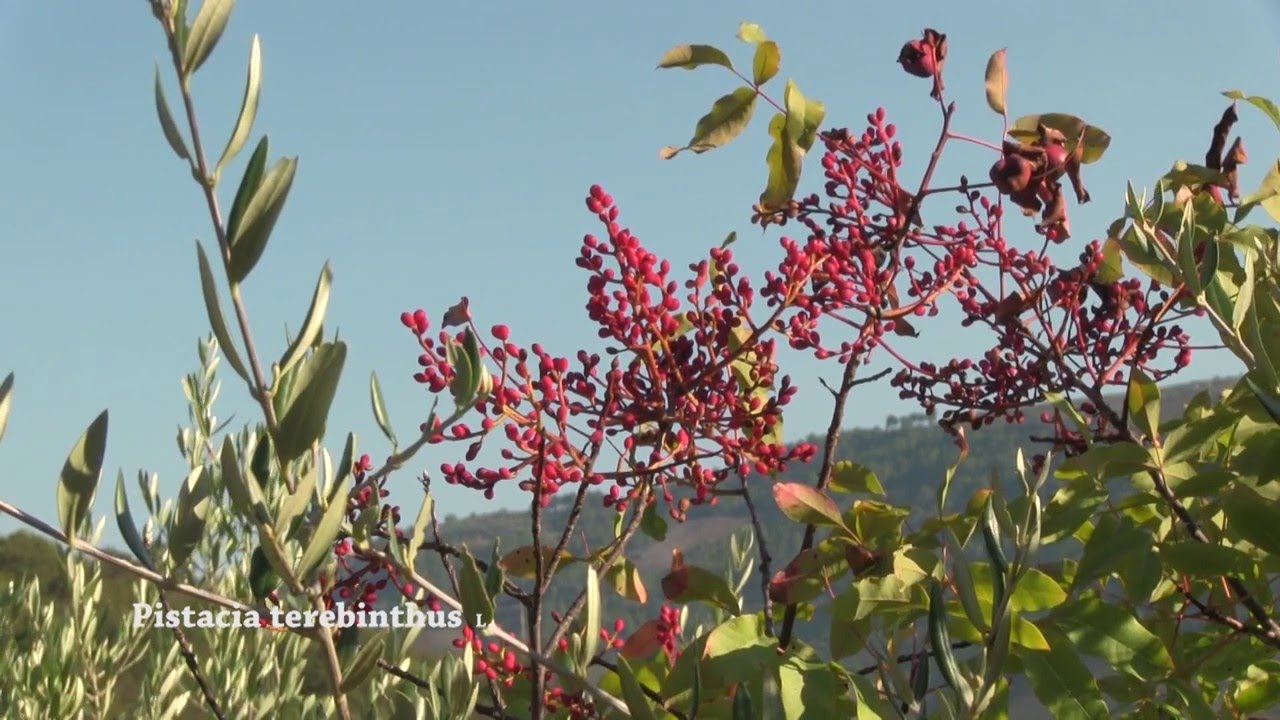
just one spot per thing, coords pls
(446, 150)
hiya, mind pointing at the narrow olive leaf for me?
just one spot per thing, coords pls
(326, 531)
(999, 564)
(591, 620)
(296, 502)
(729, 116)
(186, 530)
(1143, 403)
(997, 82)
(346, 464)
(304, 421)
(249, 184)
(964, 580)
(167, 124)
(248, 108)
(380, 410)
(419, 533)
(260, 216)
(206, 30)
(128, 530)
(940, 640)
(633, 693)
(765, 64)
(1187, 237)
(690, 57)
(363, 664)
(313, 323)
(217, 322)
(695, 692)
(6, 402)
(476, 602)
(80, 474)
(246, 496)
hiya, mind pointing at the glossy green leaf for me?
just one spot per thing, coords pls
(1201, 560)
(1096, 141)
(303, 421)
(1036, 591)
(850, 477)
(1109, 631)
(248, 108)
(6, 402)
(940, 643)
(728, 117)
(326, 531)
(997, 82)
(191, 518)
(263, 578)
(1259, 690)
(653, 524)
(217, 322)
(633, 693)
(1188, 439)
(206, 30)
(765, 63)
(250, 181)
(1143, 402)
(312, 325)
(364, 663)
(167, 124)
(963, 578)
(694, 56)
(128, 530)
(1110, 543)
(79, 479)
(1062, 681)
(807, 505)
(1253, 517)
(706, 586)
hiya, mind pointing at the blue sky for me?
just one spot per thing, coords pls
(446, 150)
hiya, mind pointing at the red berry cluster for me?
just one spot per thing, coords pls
(492, 660)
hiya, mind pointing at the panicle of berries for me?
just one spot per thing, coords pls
(691, 394)
(497, 663)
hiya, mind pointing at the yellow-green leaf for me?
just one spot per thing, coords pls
(693, 56)
(80, 474)
(997, 82)
(729, 116)
(765, 64)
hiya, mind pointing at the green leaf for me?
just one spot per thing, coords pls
(313, 323)
(625, 579)
(303, 422)
(245, 494)
(128, 530)
(850, 477)
(765, 64)
(633, 693)
(806, 505)
(729, 116)
(189, 521)
(1062, 682)
(6, 402)
(940, 643)
(259, 218)
(419, 533)
(1108, 631)
(742, 708)
(364, 663)
(1259, 690)
(249, 184)
(708, 587)
(793, 133)
(1112, 540)
(653, 524)
(263, 578)
(1096, 141)
(380, 410)
(476, 600)
(214, 309)
(963, 579)
(79, 479)
(751, 33)
(690, 57)
(591, 618)
(1143, 403)
(1036, 591)
(997, 81)
(167, 124)
(206, 30)
(523, 563)
(1263, 104)
(1187, 440)
(326, 531)
(248, 108)
(294, 503)
(1253, 517)
(1200, 560)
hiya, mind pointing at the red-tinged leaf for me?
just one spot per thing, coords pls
(642, 643)
(806, 505)
(694, 56)
(997, 82)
